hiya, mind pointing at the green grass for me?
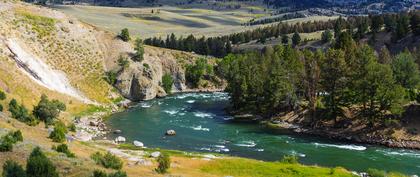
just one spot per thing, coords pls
(43, 26)
(246, 167)
(167, 151)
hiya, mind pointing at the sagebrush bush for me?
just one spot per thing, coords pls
(63, 148)
(107, 160)
(164, 163)
(13, 169)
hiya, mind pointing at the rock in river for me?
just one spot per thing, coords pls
(155, 154)
(119, 139)
(138, 144)
(117, 131)
(170, 132)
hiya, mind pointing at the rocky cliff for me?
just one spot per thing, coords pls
(143, 80)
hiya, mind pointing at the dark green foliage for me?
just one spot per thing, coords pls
(333, 73)
(195, 72)
(13, 169)
(402, 28)
(107, 160)
(63, 148)
(167, 83)
(20, 113)
(59, 133)
(7, 141)
(39, 165)
(273, 91)
(406, 71)
(125, 35)
(296, 39)
(138, 47)
(48, 110)
(99, 173)
(415, 23)
(285, 39)
(111, 77)
(377, 22)
(291, 159)
(164, 163)
(326, 36)
(2, 95)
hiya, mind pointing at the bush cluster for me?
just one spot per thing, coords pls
(7, 141)
(107, 160)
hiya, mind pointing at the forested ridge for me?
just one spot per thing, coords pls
(398, 25)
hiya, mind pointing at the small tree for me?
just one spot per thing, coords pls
(2, 97)
(99, 173)
(125, 35)
(296, 39)
(292, 159)
(167, 83)
(20, 113)
(326, 36)
(59, 133)
(47, 110)
(164, 163)
(138, 56)
(107, 160)
(39, 165)
(63, 148)
(13, 169)
(285, 39)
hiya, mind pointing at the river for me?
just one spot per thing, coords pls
(202, 126)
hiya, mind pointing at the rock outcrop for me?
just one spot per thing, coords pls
(143, 80)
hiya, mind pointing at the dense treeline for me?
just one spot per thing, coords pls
(275, 19)
(215, 46)
(347, 76)
(399, 25)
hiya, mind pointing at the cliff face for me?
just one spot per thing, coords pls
(143, 80)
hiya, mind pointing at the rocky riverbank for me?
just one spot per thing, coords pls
(348, 136)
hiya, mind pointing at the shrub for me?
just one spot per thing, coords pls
(292, 159)
(99, 173)
(2, 95)
(194, 73)
(107, 160)
(8, 140)
(1, 108)
(72, 127)
(39, 165)
(125, 35)
(47, 110)
(13, 169)
(167, 83)
(63, 148)
(20, 113)
(59, 133)
(164, 163)
(138, 56)
(111, 77)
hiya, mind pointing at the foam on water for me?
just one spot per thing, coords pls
(350, 147)
(190, 101)
(246, 144)
(199, 128)
(171, 112)
(203, 115)
(407, 153)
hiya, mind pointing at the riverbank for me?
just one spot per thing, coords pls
(395, 135)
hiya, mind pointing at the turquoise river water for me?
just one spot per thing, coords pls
(202, 126)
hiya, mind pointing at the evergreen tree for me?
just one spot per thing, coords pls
(333, 73)
(326, 36)
(13, 169)
(285, 39)
(415, 23)
(377, 22)
(405, 70)
(39, 165)
(47, 110)
(296, 39)
(138, 56)
(125, 35)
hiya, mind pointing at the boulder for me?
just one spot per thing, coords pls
(170, 132)
(117, 131)
(119, 139)
(155, 154)
(138, 144)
